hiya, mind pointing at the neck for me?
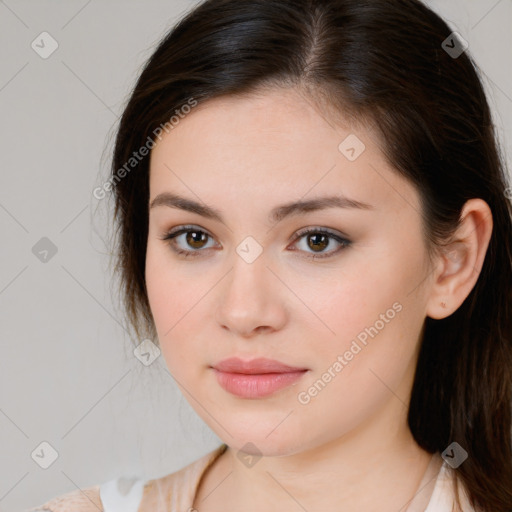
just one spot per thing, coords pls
(379, 467)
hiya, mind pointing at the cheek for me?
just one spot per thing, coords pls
(169, 296)
(176, 298)
(360, 371)
(345, 305)
(170, 292)
(159, 288)
(375, 318)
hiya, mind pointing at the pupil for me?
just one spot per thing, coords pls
(316, 243)
(191, 240)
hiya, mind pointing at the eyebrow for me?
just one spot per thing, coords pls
(276, 215)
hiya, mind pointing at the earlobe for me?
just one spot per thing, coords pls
(461, 261)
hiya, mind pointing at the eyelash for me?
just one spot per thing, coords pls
(171, 235)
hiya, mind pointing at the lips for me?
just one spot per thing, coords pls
(257, 378)
(255, 366)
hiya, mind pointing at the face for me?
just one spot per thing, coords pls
(344, 303)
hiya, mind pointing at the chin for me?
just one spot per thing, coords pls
(257, 443)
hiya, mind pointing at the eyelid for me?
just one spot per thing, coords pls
(187, 227)
(320, 229)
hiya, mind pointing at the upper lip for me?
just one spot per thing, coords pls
(254, 366)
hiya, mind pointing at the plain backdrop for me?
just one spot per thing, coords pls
(68, 375)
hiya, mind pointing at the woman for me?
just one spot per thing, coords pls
(314, 228)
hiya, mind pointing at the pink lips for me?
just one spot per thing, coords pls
(256, 378)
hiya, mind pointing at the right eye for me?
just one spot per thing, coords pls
(189, 236)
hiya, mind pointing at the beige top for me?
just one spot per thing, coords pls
(176, 492)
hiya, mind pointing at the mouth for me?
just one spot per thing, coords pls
(256, 378)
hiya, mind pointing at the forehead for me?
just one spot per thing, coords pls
(276, 141)
(277, 116)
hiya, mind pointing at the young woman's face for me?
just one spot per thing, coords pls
(347, 307)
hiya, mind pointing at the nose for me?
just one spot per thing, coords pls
(251, 299)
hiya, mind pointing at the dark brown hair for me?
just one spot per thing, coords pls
(380, 60)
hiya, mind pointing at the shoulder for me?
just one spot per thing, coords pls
(80, 500)
(159, 492)
(135, 494)
(447, 489)
(178, 489)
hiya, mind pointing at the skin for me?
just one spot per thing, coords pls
(350, 446)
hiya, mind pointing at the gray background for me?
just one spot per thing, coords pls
(68, 375)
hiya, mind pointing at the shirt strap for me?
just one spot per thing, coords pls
(122, 494)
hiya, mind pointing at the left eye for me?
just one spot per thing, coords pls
(321, 239)
(316, 239)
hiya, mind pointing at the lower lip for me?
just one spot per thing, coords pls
(258, 385)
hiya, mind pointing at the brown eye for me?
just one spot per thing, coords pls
(188, 240)
(318, 242)
(196, 239)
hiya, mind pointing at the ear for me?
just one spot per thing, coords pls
(459, 264)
